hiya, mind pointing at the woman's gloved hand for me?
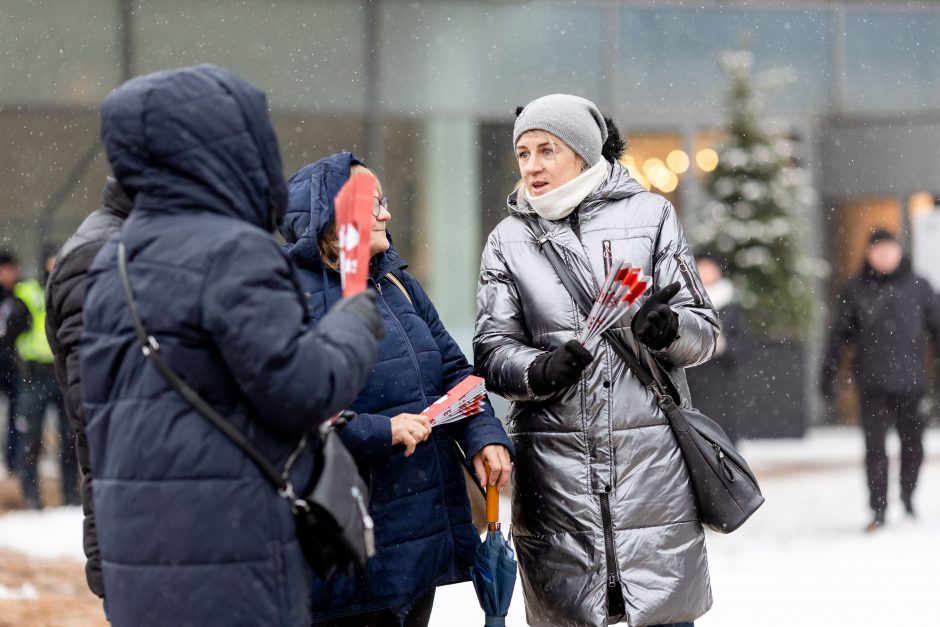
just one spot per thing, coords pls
(655, 323)
(363, 305)
(558, 369)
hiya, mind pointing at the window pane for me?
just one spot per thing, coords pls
(59, 52)
(476, 58)
(892, 61)
(303, 54)
(669, 59)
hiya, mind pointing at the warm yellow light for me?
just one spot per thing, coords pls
(657, 172)
(677, 161)
(669, 183)
(652, 165)
(629, 163)
(706, 159)
(920, 204)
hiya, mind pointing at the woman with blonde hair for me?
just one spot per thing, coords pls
(604, 521)
(424, 533)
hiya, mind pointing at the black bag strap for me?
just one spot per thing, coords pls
(585, 304)
(151, 349)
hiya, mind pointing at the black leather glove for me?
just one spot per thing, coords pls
(655, 323)
(362, 305)
(558, 369)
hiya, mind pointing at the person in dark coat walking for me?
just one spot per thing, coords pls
(190, 530)
(717, 386)
(887, 312)
(14, 320)
(424, 533)
(65, 292)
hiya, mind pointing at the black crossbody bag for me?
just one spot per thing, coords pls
(725, 489)
(334, 527)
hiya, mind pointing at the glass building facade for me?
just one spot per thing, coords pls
(425, 93)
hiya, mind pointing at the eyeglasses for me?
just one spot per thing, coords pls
(381, 202)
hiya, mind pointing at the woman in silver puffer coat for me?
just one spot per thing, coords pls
(603, 515)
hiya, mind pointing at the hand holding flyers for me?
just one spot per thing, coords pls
(353, 226)
(462, 401)
(622, 287)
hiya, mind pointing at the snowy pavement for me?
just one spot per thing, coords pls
(802, 560)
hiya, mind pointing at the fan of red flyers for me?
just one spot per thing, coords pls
(622, 287)
(353, 228)
(462, 401)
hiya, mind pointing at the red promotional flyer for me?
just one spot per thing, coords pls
(353, 224)
(462, 401)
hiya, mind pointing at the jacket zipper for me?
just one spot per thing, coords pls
(687, 275)
(723, 462)
(613, 578)
(411, 350)
(608, 257)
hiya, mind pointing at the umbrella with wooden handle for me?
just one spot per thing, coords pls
(494, 568)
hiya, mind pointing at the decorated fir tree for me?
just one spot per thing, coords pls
(758, 200)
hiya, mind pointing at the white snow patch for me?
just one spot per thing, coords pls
(50, 533)
(24, 592)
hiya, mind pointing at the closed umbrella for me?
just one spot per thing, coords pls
(494, 569)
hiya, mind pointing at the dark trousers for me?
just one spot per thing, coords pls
(879, 412)
(40, 390)
(419, 616)
(9, 386)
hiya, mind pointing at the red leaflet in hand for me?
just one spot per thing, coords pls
(353, 226)
(462, 401)
(622, 287)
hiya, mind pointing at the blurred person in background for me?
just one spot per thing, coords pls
(39, 391)
(424, 533)
(14, 320)
(603, 519)
(717, 386)
(889, 314)
(65, 292)
(190, 530)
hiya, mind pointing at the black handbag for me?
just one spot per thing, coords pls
(334, 528)
(725, 489)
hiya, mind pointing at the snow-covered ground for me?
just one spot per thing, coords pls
(801, 560)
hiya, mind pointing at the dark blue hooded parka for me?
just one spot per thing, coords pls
(425, 537)
(191, 533)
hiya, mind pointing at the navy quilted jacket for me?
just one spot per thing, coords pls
(190, 531)
(423, 527)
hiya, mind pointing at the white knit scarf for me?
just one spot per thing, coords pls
(561, 201)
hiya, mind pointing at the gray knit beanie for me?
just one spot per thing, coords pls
(572, 119)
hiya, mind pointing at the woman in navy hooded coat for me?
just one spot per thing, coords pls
(190, 531)
(418, 497)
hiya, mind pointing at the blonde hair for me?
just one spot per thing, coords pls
(328, 245)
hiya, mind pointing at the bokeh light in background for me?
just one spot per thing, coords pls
(706, 159)
(659, 164)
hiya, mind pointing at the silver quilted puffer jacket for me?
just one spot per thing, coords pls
(600, 490)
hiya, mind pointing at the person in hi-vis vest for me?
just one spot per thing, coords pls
(38, 392)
